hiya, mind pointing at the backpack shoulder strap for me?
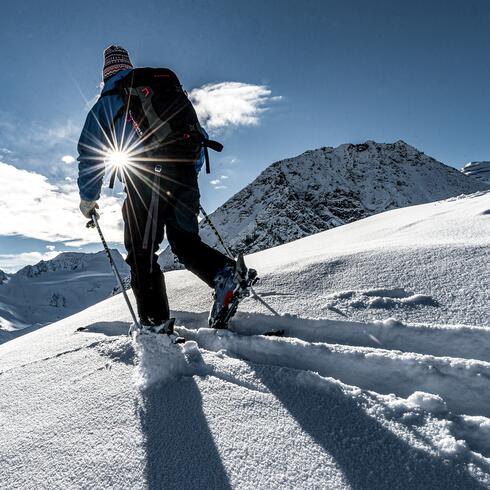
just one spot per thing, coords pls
(117, 90)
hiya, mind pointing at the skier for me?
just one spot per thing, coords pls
(161, 188)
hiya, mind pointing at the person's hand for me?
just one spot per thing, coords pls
(88, 208)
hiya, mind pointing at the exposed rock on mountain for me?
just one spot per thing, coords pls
(478, 170)
(3, 277)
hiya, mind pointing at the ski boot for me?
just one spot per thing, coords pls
(232, 284)
(167, 327)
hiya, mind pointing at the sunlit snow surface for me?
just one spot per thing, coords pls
(381, 381)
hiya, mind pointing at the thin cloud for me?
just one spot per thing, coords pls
(225, 104)
(36, 146)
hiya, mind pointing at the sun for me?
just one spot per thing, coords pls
(118, 159)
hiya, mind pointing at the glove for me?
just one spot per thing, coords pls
(88, 208)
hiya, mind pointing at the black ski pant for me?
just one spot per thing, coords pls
(158, 199)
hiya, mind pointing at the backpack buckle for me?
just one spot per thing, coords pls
(158, 169)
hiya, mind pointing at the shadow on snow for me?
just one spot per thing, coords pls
(180, 448)
(369, 454)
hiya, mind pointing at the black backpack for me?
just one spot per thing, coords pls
(157, 107)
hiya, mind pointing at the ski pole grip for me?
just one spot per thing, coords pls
(91, 223)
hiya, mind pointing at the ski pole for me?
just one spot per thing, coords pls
(94, 223)
(255, 296)
(216, 232)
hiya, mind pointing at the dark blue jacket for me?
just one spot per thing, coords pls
(97, 139)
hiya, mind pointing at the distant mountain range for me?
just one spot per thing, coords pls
(478, 170)
(328, 187)
(54, 289)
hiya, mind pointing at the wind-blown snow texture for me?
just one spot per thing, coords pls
(54, 289)
(381, 381)
(478, 170)
(328, 187)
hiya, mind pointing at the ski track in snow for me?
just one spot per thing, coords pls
(462, 383)
(450, 361)
(326, 368)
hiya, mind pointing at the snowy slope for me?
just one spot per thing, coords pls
(327, 187)
(382, 380)
(54, 289)
(479, 170)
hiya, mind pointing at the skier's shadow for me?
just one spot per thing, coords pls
(180, 449)
(369, 454)
(110, 329)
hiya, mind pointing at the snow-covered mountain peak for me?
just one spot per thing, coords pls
(66, 261)
(327, 187)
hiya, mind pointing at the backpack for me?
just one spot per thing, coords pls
(161, 114)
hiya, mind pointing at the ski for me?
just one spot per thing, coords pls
(268, 333)
(166, 328)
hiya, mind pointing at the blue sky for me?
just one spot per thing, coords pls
(303, 75)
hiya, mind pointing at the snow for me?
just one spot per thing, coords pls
(378, 298)
(384, 395)
(159, 360)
